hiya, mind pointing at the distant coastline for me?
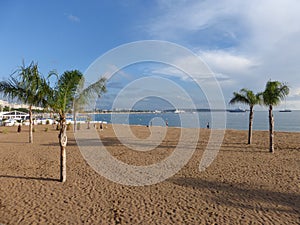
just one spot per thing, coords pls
(171, 111)
(238, 121)
(155, 111)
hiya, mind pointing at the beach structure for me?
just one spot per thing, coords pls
(13, 118)
(17, 115)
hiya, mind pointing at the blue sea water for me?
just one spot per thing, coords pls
(284, 121)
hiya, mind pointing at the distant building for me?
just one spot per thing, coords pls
(3, 103)
(15, 105)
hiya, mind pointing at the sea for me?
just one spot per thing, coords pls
(284, 121)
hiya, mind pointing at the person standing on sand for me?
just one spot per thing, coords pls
(167, 124)
(207, 126)
(19, 128)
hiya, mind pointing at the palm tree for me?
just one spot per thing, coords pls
(247, 97)
(274, 93)
(26, 85)
(61, 100)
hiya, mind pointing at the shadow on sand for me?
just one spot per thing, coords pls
(29, 178)
(241, 196)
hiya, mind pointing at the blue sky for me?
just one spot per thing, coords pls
(245, 43)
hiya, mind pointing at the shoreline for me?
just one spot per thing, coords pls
(283, 122)
(139, 125)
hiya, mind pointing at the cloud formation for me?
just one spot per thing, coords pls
(250, 41)
(227, 62)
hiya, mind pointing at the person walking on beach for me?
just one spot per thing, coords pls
(167, 124)
(207, 126)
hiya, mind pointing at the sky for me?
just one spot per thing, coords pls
(244, 43)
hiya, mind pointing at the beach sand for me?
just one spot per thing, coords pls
(245, 184)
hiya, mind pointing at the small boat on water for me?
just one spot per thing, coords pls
(285, 110)
(237, 110)
(179, 111)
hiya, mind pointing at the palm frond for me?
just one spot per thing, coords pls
(64, 91)
(275, 92)
(90, 93)
(26, 85)
(245, 96)
(239, 98)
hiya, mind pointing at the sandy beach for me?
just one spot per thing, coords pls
(244, 185)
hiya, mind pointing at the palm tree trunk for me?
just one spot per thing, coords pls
(63, 143)
(30, 124)
(74, 117)
(75, 123)
(271, 128)
(250, 125)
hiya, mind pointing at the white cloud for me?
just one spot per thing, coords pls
(73, 18)
(170, 71)
(189, 16)
(227, 63)
(264, 21)
(295, 93)
(270, 21)
(224, 67)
